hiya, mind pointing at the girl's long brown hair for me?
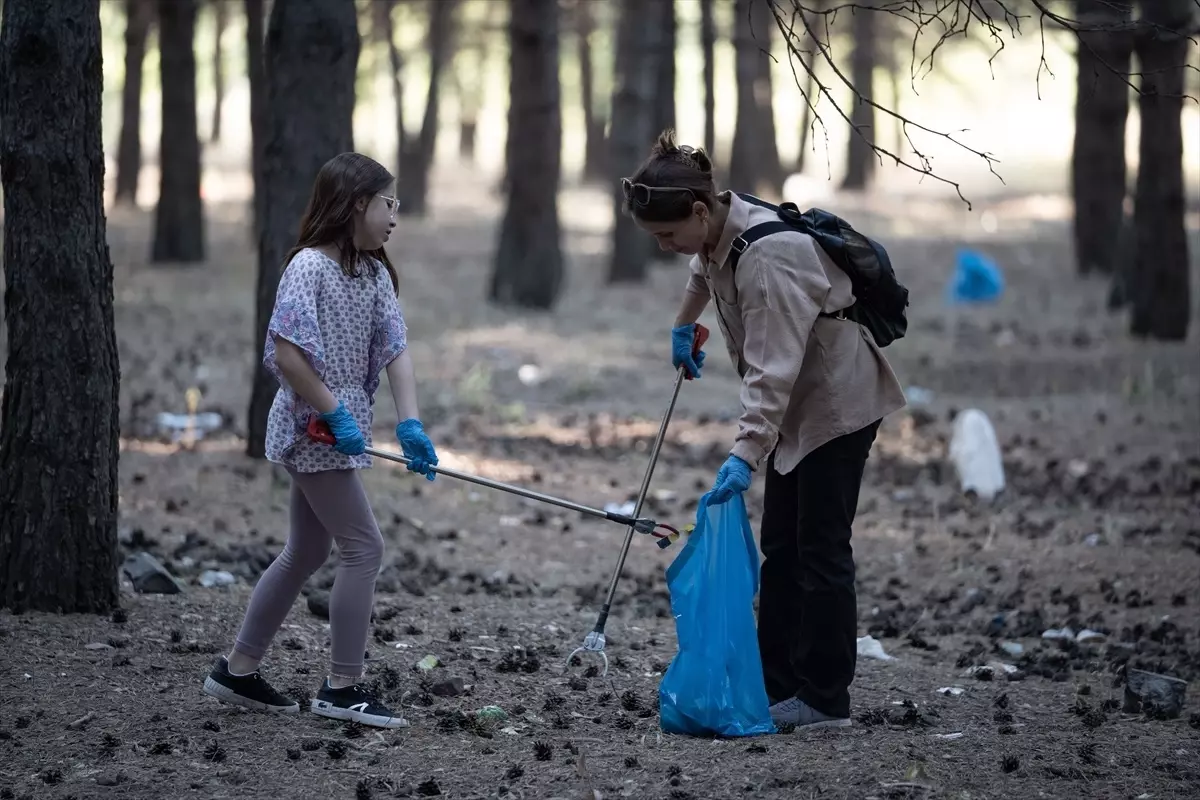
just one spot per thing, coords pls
(329, 216)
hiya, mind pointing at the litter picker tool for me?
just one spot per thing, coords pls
(594, 641)
(318, 430)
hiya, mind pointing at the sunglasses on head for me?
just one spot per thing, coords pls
(639, 194)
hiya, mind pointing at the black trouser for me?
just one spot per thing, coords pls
(807, 613)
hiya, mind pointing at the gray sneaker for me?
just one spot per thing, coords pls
(795, 711)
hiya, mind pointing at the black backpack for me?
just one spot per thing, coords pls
(880, 299)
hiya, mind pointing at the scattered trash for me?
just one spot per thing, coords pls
(948, 736)
(98, 646)
(1087, 636)
(149, 576)
(869, 647)
(625, 509)
(451, 687)
(918, 395)
(976, 455)
(211, 578)
(529, 374)
(492, 714)
(79, 723)
(178, 424)
(977, 279)
(1093, 540)
(1077, 468)
(1160, 696)
(989, 671)
(1059, 633)
(427, 663)
(951, 691)
(1014, 649)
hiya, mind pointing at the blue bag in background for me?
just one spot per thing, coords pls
(714, 685)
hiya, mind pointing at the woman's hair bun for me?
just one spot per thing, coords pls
(667, 148)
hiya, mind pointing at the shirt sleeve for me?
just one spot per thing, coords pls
(782, 288)
(390, 335)
(294, 317)
(696, 283)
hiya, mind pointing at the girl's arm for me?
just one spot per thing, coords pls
(303, 379)
(403, 380)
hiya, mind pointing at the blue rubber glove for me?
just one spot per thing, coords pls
(683, 339)
(417, 447)
(733, 478)
(348, 439)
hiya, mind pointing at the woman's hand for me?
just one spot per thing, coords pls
(733, 478)
(348, 439)
(417, 447)
(683, 340)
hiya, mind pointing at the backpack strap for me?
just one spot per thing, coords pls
(752, 235)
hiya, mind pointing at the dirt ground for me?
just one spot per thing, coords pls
(1098, 529)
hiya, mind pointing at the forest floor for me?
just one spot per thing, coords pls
(1098, 529)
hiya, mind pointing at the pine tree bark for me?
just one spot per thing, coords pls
(664, 102)
(639, 54)
(528, 269)
(1098, 169)
(860, 158)
(220, 22)
(255, 67)
(179, 221)
(593, 122)
(311, 51)
(1161, 291)
(708, 41)
(139, 15)
(59, 420)
(416, 160)
(754, 161)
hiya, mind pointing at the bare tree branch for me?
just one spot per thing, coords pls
(805, 27)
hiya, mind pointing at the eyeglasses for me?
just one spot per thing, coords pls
(391, 204)
(639, 194)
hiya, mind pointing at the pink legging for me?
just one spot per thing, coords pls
(325, 507)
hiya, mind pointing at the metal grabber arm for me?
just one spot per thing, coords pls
(594, 641)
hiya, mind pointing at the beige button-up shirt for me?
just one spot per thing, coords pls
(806, 379)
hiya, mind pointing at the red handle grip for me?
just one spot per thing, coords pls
(318, 431)
(701, 338)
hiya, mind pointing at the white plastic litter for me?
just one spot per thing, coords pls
(1059, 633)
(211, 578)
(869, 647)
(1088, 636)
(620, 508)
(951, 691)
(976, 455)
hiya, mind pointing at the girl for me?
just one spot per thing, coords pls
(335, 326)
(814, 389)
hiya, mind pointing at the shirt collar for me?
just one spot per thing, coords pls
(736, 222)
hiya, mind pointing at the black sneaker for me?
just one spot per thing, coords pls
(355, 704)
(249, 691)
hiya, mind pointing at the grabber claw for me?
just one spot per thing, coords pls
(592, 643)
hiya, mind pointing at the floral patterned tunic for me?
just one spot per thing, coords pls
(350, 329)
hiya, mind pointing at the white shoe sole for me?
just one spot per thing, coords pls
(227, 695)
(814, 726)
(325, 709)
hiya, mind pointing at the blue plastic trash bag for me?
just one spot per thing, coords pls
(714, 685)
(977, 279)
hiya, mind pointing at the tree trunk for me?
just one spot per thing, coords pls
(220, 21)
(412, 186)
(139, 15)
(708, 41)
(312, 51)
(1161, 291)
(59, 420)
(754, 160)
(396, 63)
(179, 222)
(528, 267)
(1098, 170)
(639, 51)
(593, 123)
(860, 158)
(664, 100)
(255, 67)
(468, 68)
(811, 29)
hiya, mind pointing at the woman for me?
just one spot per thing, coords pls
(814, 389)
